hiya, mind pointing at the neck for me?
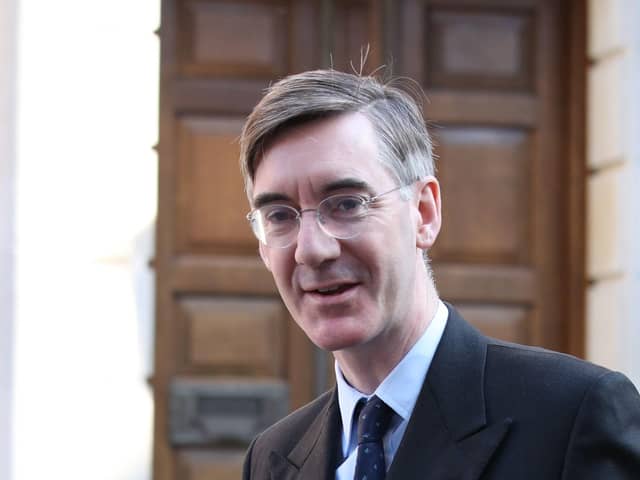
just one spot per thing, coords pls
(366, 366)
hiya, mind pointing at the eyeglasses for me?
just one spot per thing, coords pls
(340, 216)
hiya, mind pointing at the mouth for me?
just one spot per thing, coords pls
(331, 291)
(334, 290)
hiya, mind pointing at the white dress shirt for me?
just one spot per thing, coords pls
(399, 390)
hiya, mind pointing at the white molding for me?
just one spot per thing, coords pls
(86, 118)
(633, 199)
(613, 312)
(8, 17)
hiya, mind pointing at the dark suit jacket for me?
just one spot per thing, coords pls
(487, 410)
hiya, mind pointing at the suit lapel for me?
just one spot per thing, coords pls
(448, 435)
(315, 456)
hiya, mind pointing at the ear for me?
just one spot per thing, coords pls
(264, 256)
(430, 215)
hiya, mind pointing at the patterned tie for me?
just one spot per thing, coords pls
(372, 424)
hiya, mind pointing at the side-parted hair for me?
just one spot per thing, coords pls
(403, 141)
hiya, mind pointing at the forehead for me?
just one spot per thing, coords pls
(304, 160)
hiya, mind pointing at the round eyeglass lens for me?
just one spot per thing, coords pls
(278, 224)
(341, 216)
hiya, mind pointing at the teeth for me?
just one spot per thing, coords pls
(328, 290)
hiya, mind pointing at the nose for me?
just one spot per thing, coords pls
(314, 246)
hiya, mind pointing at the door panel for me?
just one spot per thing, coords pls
(210, 465)
(491, 77)
(229, 359)
(254, 327)
(354, 30)
(485, 173)
(489, 48)
(234, 38)
(500, 321)
(208, 180)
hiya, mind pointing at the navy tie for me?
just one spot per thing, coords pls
(372, 424)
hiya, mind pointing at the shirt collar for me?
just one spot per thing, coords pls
(400, 389)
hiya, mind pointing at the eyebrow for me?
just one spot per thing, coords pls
(269, 197)
(344, 184)
(331, 187)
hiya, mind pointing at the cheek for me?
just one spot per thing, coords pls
(265, 260)
(397, 252)
(280, 264)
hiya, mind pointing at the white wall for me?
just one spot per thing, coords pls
(87, 81)
(7, 203)
(613, 149)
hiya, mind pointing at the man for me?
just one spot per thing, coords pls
(340, 176)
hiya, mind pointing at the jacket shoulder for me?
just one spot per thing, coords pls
(540, 362)
(556, 383)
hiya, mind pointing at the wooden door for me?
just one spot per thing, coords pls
(229, 360)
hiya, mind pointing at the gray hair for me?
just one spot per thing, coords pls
(404, 143)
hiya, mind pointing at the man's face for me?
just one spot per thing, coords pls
(342, 293)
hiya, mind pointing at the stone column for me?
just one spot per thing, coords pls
(613, 189)
(8, 17)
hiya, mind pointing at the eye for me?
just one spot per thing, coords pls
(347, 204)
(344, 206)
(278, 215)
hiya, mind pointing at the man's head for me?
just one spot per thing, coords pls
(403, 140)
(359, 284)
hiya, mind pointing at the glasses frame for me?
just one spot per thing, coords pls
(366, 202)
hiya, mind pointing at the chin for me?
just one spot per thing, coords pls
(334, 339)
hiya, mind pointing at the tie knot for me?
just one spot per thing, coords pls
(373, 420)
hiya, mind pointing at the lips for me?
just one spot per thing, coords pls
(329, 290)
(334, 290)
